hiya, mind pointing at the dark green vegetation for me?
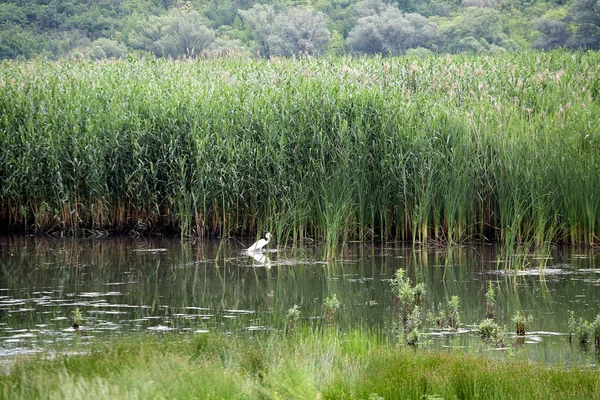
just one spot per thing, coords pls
(113, 28)
(307, 365)
(502, 148)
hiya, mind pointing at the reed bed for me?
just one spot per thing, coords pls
(502, 148)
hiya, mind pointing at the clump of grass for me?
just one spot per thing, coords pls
(311, 364)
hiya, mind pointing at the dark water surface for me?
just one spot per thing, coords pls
(128, 287)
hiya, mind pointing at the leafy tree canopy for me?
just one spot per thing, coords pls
(384, 29)
(113, 28)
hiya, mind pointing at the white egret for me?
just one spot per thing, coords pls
(260, 244)
(260, 259)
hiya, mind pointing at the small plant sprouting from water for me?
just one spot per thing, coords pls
(331, 306)
(440, 319)
(293, 316)
(490, 331)
(521, 322)
(409, 300)
(76, 318)
(407, 296)
(453, 312)
(490, 300)
(583, 331)
(412, 339)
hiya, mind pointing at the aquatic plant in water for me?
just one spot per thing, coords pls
(76, 318)
(453, 312)
(407, 297)
(583, 331)
(521, 322)
(331, 305)
(490, 300)
(293, 316)
(490, 331)
(596, 332)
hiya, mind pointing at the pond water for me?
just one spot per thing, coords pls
(126, 287)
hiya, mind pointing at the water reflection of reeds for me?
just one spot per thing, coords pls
(125, 286)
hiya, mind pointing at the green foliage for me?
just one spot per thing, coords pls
(309, 365)
(298, 31)
(555, 33)
(439, 148)
(596, 327)
(368, 26)
(490, 300)
(260, 18)
(476, 30)
(293, 317)
(454, 312)
(409, 300)
(488, 329)
(384, 29)
(331, 304)
(76, 317)
(583, 331)
(184, 34)
(106, 48)
(408, 297)
(17, 42)
(584, 16)
(521, 322)
(580, 28)
(220, 12)
(336, 44)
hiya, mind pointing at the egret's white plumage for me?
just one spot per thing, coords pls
(260, 244)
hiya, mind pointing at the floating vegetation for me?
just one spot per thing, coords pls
(441, 149)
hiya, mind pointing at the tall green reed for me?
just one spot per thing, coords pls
(439, 149)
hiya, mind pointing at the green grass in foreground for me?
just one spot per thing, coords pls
(355, 365)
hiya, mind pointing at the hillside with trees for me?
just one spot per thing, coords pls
(169, 28)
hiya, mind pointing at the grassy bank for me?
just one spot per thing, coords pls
(309, 365)
(448, 148)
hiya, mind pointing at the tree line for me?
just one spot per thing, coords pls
(171, 28)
